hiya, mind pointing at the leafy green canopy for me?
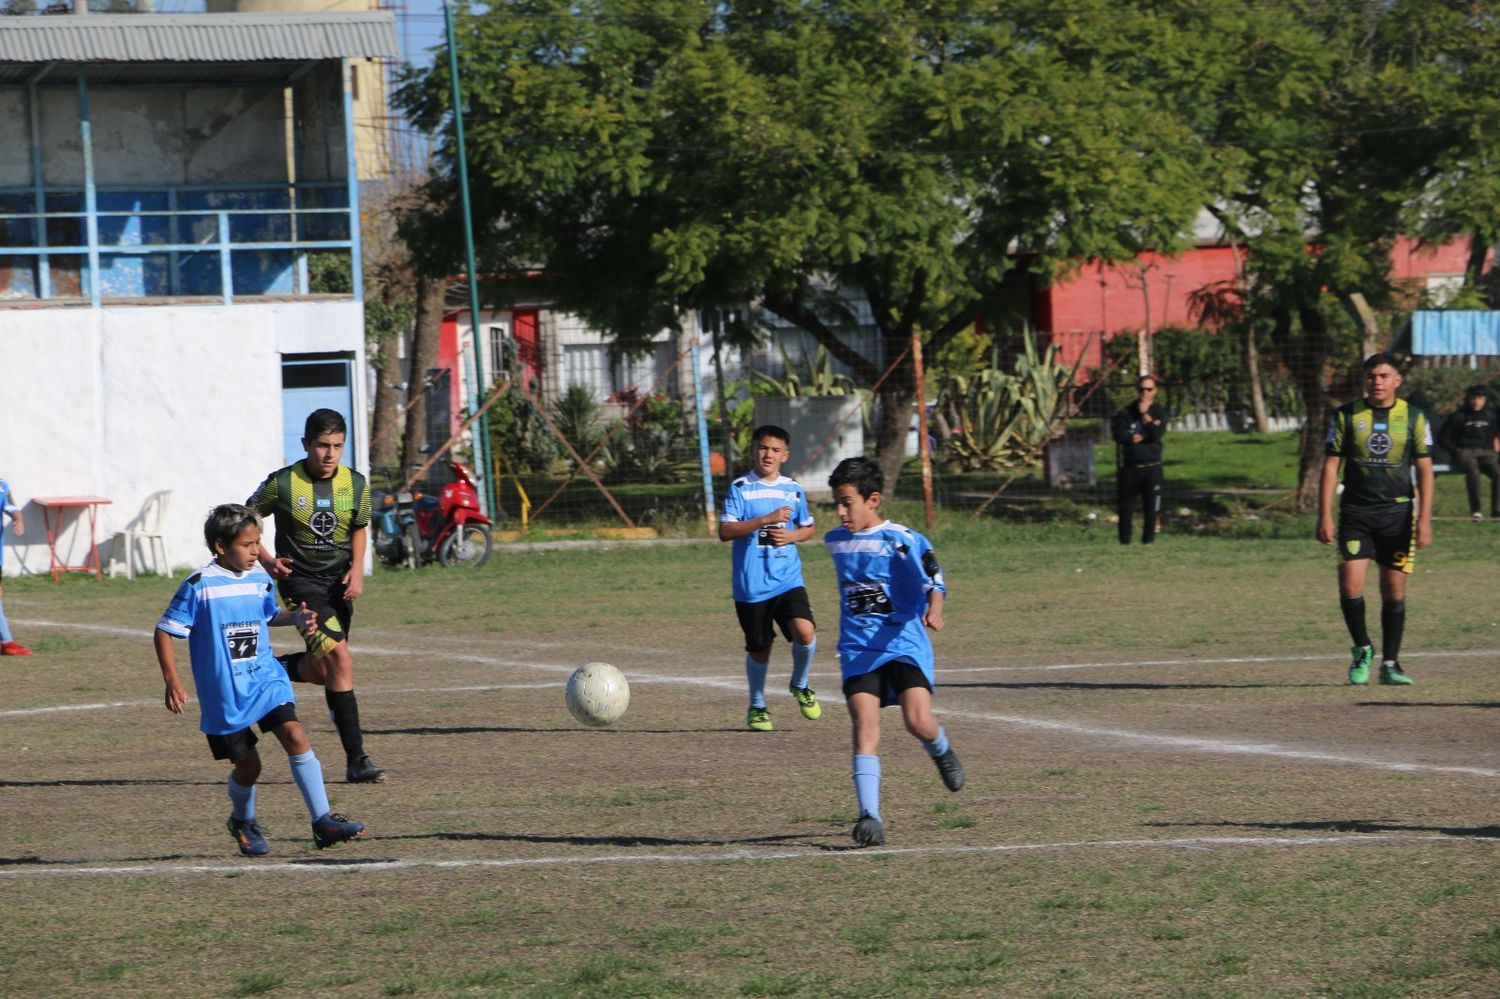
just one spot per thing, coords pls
(654, 155)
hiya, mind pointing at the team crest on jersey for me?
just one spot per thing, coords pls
(1379, 444)
(323, 523)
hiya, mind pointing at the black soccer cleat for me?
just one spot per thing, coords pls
(333, 829)
(868, 831)
(952, 770)
(364, 771)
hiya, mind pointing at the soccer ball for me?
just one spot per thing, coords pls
(597, 694)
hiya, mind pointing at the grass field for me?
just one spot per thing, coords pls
(1171, 791)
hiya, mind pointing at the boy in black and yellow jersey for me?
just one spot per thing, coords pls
(1380, 439)
(322, 510)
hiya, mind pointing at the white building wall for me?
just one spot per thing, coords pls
(121, 402)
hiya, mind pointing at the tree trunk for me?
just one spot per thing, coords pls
(385, 430)
(427, 329)
(1252, 377)
(892, 424)
(1316, 413)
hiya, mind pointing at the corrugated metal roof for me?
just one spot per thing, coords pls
(197, 37)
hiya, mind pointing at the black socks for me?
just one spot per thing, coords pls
(1392, 624)
(346, 719)
(1354, 618)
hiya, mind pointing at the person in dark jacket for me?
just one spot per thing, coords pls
(1138, 429)
(1471, 436)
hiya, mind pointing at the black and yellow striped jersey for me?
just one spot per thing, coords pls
(1378, 447)
(314, 517)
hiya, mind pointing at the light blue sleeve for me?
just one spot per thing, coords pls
(734, 509)
(181, 612)
(802, 516)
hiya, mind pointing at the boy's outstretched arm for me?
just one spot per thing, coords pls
(176, 694)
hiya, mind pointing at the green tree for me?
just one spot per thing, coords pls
(1335, 123)
(649, 157)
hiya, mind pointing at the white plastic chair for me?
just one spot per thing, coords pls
(144, 530)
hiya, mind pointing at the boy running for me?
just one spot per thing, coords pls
(890, 590)
(223, 610)
(322, 511)
(766, 515)
(1380, 440)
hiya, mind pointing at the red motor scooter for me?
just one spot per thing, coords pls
(454, 529)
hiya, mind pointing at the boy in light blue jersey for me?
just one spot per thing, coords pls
(8, 508)
(766, 515)
(223, 610)
(890, 591)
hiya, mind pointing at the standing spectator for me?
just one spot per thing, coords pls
(1138, 429)
(8, 508)
(1471, 435)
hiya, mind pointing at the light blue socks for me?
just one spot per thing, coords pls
(755, 673)
(308, 774)
(802, 657)
(937, 747)
(867, 784)
(242, 801)
(4, 626)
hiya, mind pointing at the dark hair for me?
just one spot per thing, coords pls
(1383, 357)
(1154, 382)
(324, 421)
(863, 474)
(1474, 391)
(226, 522)
(771, 430)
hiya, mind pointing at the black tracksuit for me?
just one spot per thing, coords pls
(1140, 477)
(1469, 437)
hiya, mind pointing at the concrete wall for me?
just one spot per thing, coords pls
(121, 402)
(152, 136)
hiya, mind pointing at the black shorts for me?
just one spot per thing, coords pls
(237, 745)
(756, 619)
(325, 596)
(1385, 535)
(887, 681)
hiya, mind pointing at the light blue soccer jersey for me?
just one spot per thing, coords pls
(8, 510)
(885, 574)
(223, 616)
(760, 569)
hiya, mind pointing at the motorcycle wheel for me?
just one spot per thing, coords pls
(468, 546)
(412, 541)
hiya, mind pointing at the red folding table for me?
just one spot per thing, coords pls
(62, 504)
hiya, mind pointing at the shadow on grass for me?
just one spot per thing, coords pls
(1340, 825)
(1084, 685)
(619, 840)
(91, 861)
(1428, 704)
(109, 782)
(561, 729)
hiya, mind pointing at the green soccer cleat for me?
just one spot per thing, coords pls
(759, 719)
(1392, 675)
(808, 702)
(1359, 669)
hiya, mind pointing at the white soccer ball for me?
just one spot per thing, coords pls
(598, 694)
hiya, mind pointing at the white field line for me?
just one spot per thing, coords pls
(1190, 744)
(346, 865)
